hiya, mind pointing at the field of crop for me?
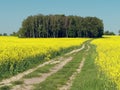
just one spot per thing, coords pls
(100, 70)
(17, 54)
(108, 59)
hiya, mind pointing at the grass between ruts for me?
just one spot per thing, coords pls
(89, 78)
(45, 69)
(39, 71)
(60, 78)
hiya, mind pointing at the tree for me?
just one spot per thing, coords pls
(4, 34)
(61, 26)
(0, 34)
(119, 32)
(14, 34)
(109, 33)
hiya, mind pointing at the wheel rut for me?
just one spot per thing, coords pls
(28, 83)
(68, 85)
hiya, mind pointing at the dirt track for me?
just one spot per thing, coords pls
(29, 82)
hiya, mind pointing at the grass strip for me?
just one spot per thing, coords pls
(39, 71)
(62, 76)
(89, 78)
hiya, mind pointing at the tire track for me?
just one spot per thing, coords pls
(70, 81)
(28, 83)
(20, 75)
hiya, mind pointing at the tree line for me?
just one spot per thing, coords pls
(109, 33)
(4, 34)
(61, 26)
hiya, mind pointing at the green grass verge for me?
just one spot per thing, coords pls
(89, 78)
(62, 76)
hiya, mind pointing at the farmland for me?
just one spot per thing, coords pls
(60, 45)
(94, 65)
(108, 59)
(16, 55)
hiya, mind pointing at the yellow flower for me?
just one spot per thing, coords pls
(108, 59)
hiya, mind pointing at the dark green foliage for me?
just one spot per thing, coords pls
(119, 32)
(109, 33)
(61, 26)
(4, 34)
(14, 34)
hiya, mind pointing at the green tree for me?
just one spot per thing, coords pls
(14, 34)
(109, 33)
(119, 32)
(61, 26)
(5, 34)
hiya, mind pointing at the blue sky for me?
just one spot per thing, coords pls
(13, 12)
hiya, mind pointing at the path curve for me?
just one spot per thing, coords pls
(28, 83)
(20, 75)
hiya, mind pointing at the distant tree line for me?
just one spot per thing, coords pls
(61, 26)
(109, 33)
(4, 34)
(118, 32)
(12, 34)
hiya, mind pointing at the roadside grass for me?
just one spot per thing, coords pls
(60, 78)
(89, 78)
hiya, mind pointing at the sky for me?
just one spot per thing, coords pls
(13, 12)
